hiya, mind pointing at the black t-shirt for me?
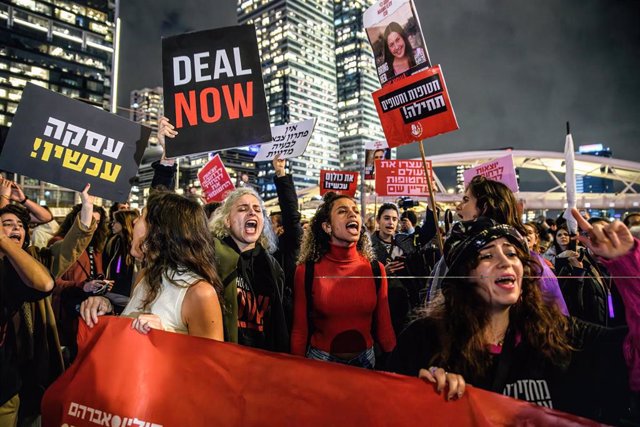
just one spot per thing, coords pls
(13, 293)
(593, 385)
(255, 293)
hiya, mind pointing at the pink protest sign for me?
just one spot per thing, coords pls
(215, 180)
(500, 169)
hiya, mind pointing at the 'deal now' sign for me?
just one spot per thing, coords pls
(213, 90)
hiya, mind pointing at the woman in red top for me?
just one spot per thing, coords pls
(348, 308)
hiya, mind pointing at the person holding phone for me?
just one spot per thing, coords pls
(83, 279)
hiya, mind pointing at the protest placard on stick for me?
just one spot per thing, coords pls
(215, 180)
(341, 182)
(289, 141)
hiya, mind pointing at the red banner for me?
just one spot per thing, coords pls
(341, 182)
(415, 108)
(402, 178)
(124, 378)
(215, 180)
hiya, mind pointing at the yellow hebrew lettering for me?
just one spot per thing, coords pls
(110, 172)
(74, 160)
(36, 146)
(57, 152)
(97, 164)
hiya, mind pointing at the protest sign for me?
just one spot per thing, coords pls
(121, 377)
(288, 141)
(402, 178)
(396, 38)
(370, 157)
(375, 145)
(69, 143)
(213, 90)
(415, 108)
(215, 180)
(341, 182)
(500, 169)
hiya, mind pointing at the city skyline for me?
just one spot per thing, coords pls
(516, 71)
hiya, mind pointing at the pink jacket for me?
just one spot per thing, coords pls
(626, 273)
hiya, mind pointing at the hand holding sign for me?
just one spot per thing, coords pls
(279, 166)
(165, 129)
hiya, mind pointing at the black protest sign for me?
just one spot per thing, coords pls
(69, 143)
(213, 90)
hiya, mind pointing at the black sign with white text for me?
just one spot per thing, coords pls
(213, 90)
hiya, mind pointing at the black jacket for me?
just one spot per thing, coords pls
(593, 384)
(289, 241)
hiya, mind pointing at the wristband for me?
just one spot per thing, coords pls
(22, 202)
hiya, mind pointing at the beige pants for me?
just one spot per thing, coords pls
(9, 412)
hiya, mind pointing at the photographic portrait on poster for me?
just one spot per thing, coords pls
(370, 157)
(396, 38)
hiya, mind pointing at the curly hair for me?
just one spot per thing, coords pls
(268, 239)
(23, 216)
(125, 218)
(315, 242)
(496, 201)
(101, 234)
(462, 316)
(177, 239)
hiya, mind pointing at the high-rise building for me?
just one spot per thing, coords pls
(298, 52)
(358, 120)
(65, 46)
(594, 184)
(146, 108)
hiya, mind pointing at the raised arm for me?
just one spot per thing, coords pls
(31, 272)
(65, 252)
(164, 170)
(11, 191)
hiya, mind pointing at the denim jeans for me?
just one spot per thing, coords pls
(366, 359)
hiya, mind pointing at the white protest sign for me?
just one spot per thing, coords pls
(376, 145)
(289, 141)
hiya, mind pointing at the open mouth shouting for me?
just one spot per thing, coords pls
(353, 227)
(507, 282)
(251, 226)
(16, 236)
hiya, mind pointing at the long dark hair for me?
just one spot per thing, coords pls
(394, 27)
(125, 218)
(177, 239)
(99, 238)
(315, 242)
(496, 201)
(462, 316)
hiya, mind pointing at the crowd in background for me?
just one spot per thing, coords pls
(506, 304)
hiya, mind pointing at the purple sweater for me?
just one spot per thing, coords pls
(551, 292)
(626, 273)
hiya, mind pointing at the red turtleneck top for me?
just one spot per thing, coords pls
(344, 303)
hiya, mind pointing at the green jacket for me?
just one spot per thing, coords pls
(226, 263)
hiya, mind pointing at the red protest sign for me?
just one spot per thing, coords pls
(402, 178)
(121, 378)
(215, 180)
(341, 182)
(415, 108)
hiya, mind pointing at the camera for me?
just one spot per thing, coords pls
(407, 203)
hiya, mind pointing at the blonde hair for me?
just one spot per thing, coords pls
(268, 239)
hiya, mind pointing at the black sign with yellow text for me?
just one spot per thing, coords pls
(69, 143)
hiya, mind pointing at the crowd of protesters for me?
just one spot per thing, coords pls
(527, 310)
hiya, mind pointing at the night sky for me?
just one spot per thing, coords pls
(516, 70)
